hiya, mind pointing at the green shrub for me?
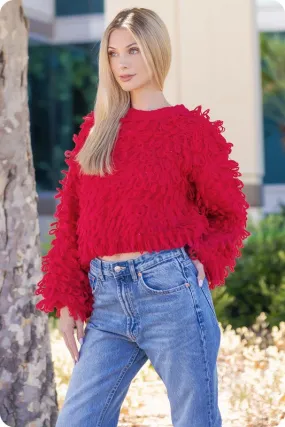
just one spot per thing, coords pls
(258, 283)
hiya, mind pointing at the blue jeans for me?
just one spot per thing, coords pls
(149, 307)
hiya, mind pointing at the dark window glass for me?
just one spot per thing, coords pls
(273, 120)
(62, 84)
(76, 7)
(274, 154)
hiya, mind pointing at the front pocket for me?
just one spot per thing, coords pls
(164, 278)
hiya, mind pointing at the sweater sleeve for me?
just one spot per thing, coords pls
(218, 196)
(65, 284)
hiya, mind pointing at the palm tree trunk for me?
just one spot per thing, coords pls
(27, 390)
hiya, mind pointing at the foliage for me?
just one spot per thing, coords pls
(62, 87)
(258, 283)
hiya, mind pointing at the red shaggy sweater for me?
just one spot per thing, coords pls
(174, 185)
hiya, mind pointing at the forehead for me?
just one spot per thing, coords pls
(120, 38)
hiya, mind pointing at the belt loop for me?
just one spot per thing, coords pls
(101, 269)
(184, 253)
(132, 269)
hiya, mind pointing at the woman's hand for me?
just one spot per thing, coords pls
(66, 327)
(201, 271)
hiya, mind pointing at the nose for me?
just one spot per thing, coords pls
(123, 63)
(123, 68)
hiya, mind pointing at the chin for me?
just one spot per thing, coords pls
(128, 87)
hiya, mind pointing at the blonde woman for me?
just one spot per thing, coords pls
(152, 217)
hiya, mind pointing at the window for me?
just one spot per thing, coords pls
(67, 7)
(62, 84)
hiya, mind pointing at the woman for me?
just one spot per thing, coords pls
(140, 244)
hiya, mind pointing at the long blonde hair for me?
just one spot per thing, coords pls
(112, 102)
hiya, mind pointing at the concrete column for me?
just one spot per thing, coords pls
(216, 63)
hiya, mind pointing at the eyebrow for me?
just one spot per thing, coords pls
(126, 46)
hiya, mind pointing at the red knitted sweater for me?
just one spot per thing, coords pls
(174, 185)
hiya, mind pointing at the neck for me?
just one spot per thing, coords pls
(148, 100)
(135, 114)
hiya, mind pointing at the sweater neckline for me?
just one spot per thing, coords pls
(133, 114)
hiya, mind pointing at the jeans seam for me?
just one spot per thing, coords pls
(135, 313)
(203, 345)
(184, 267)
(115, 388)
(209, 302)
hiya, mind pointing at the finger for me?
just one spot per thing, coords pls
(67, 345)
(201, 271)
(80, 331)
(72, 344)
(201, 278)
(200, 281)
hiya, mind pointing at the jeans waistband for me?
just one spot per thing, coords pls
(133, 266)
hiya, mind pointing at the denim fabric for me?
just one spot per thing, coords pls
(149, 307)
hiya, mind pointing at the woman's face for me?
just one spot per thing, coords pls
(125, 58)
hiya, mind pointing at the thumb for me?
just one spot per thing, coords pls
(80, 331)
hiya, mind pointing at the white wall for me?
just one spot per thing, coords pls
(216, 64)
(40, 10)
(78, 29)
(270, 15)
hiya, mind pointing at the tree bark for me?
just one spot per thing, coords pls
(27, 390)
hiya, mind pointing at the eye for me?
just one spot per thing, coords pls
(110, 53)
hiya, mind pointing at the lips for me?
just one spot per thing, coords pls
(127, 77)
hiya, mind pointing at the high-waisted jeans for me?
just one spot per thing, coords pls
(149, 307)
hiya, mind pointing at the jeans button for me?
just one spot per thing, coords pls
(117, 268)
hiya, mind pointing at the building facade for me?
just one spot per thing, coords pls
(64, 42)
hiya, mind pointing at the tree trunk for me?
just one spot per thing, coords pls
(27, 390)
